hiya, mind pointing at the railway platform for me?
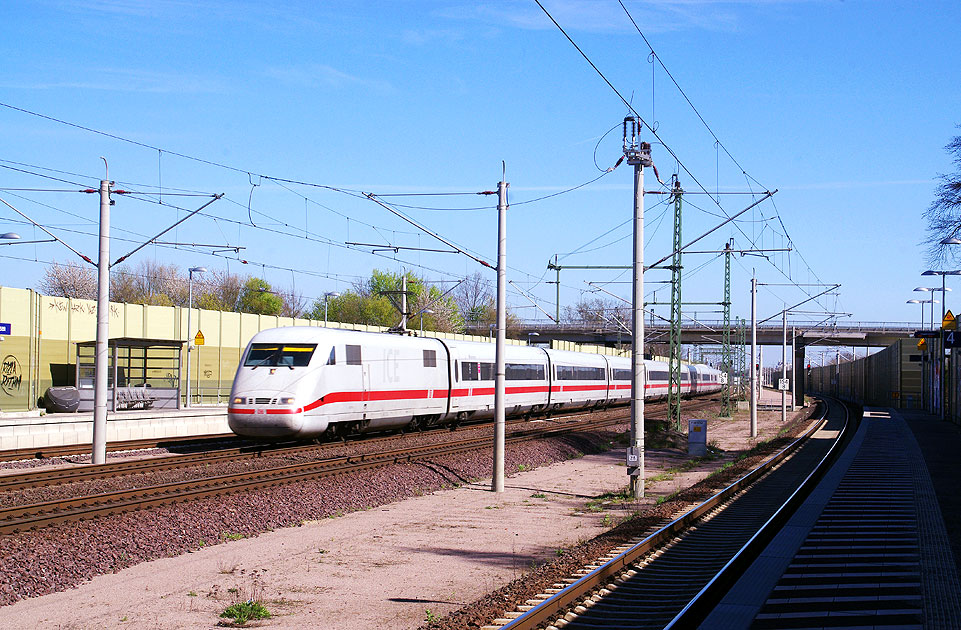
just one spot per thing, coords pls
(31, 430)
(876, 545)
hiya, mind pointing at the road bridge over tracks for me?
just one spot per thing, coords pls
(861, 334)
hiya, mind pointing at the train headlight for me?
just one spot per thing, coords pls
(287, 401)
(238, 400)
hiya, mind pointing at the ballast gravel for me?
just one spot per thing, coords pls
(386, 562)
(34, 562)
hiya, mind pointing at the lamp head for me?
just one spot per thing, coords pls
(10, 236)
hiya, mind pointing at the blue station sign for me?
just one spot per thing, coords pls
(5, 329)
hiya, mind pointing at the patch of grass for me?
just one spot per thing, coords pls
(523, 467)
(559, 552)
(242, 612)
(538, 495)
(227, 536)
(492, 507)
(192, 594)
(430, 616)
(608, 521)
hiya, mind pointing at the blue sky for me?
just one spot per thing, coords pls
(845, 107)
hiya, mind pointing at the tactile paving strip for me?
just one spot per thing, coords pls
(861, 564)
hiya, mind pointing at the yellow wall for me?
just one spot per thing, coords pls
(41, 351)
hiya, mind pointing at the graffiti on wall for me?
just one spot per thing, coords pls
(11, 377)
(78, 307)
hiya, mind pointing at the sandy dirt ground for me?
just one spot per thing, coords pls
(397, 566)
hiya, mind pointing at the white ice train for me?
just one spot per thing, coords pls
(302, 382)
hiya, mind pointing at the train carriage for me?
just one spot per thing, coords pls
(580, 380)
(473, 371)
(298, 382)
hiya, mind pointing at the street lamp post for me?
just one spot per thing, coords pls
(932, 302)
(327, 296)
(944, 300)
(532, 334)
(922, 303)
(190, 308)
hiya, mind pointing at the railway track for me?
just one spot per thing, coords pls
(31, 516)
(672, 576)
(50, 452)
(247, 450)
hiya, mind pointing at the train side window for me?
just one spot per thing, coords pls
(332, 359)
(469, 370)
(430, 358)
(580, 373)
(524, 372)
(353, 355)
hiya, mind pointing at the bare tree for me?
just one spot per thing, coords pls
(597, 311)
(475, 299)
(69, 281)
(293, 304)
(944, 214)
(149, 282)
(218, 291)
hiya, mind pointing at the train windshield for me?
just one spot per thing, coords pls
(279, 355)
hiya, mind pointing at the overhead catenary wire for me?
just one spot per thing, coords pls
(652, 129)
(275, 179)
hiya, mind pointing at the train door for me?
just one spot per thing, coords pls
(693, 371)
(365, 385)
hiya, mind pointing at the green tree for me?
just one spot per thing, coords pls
(257, 297)
(377, 301)
(353, 308)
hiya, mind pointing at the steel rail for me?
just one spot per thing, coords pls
(48, 452)
(58, 476)
(558, 604)
(700, 606)
(25, 517)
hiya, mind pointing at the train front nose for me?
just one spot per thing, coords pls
(265, 416)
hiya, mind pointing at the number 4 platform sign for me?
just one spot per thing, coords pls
(952, 339)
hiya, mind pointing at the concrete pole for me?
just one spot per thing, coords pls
(753, 378)
(500, 425)
(941, 379)
(760, 371)
(99, 454)
(784, 365)
(794, 405)
(190, 308)
(403, 302)
(637, 335)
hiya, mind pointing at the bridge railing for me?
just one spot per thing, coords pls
(873, 327)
